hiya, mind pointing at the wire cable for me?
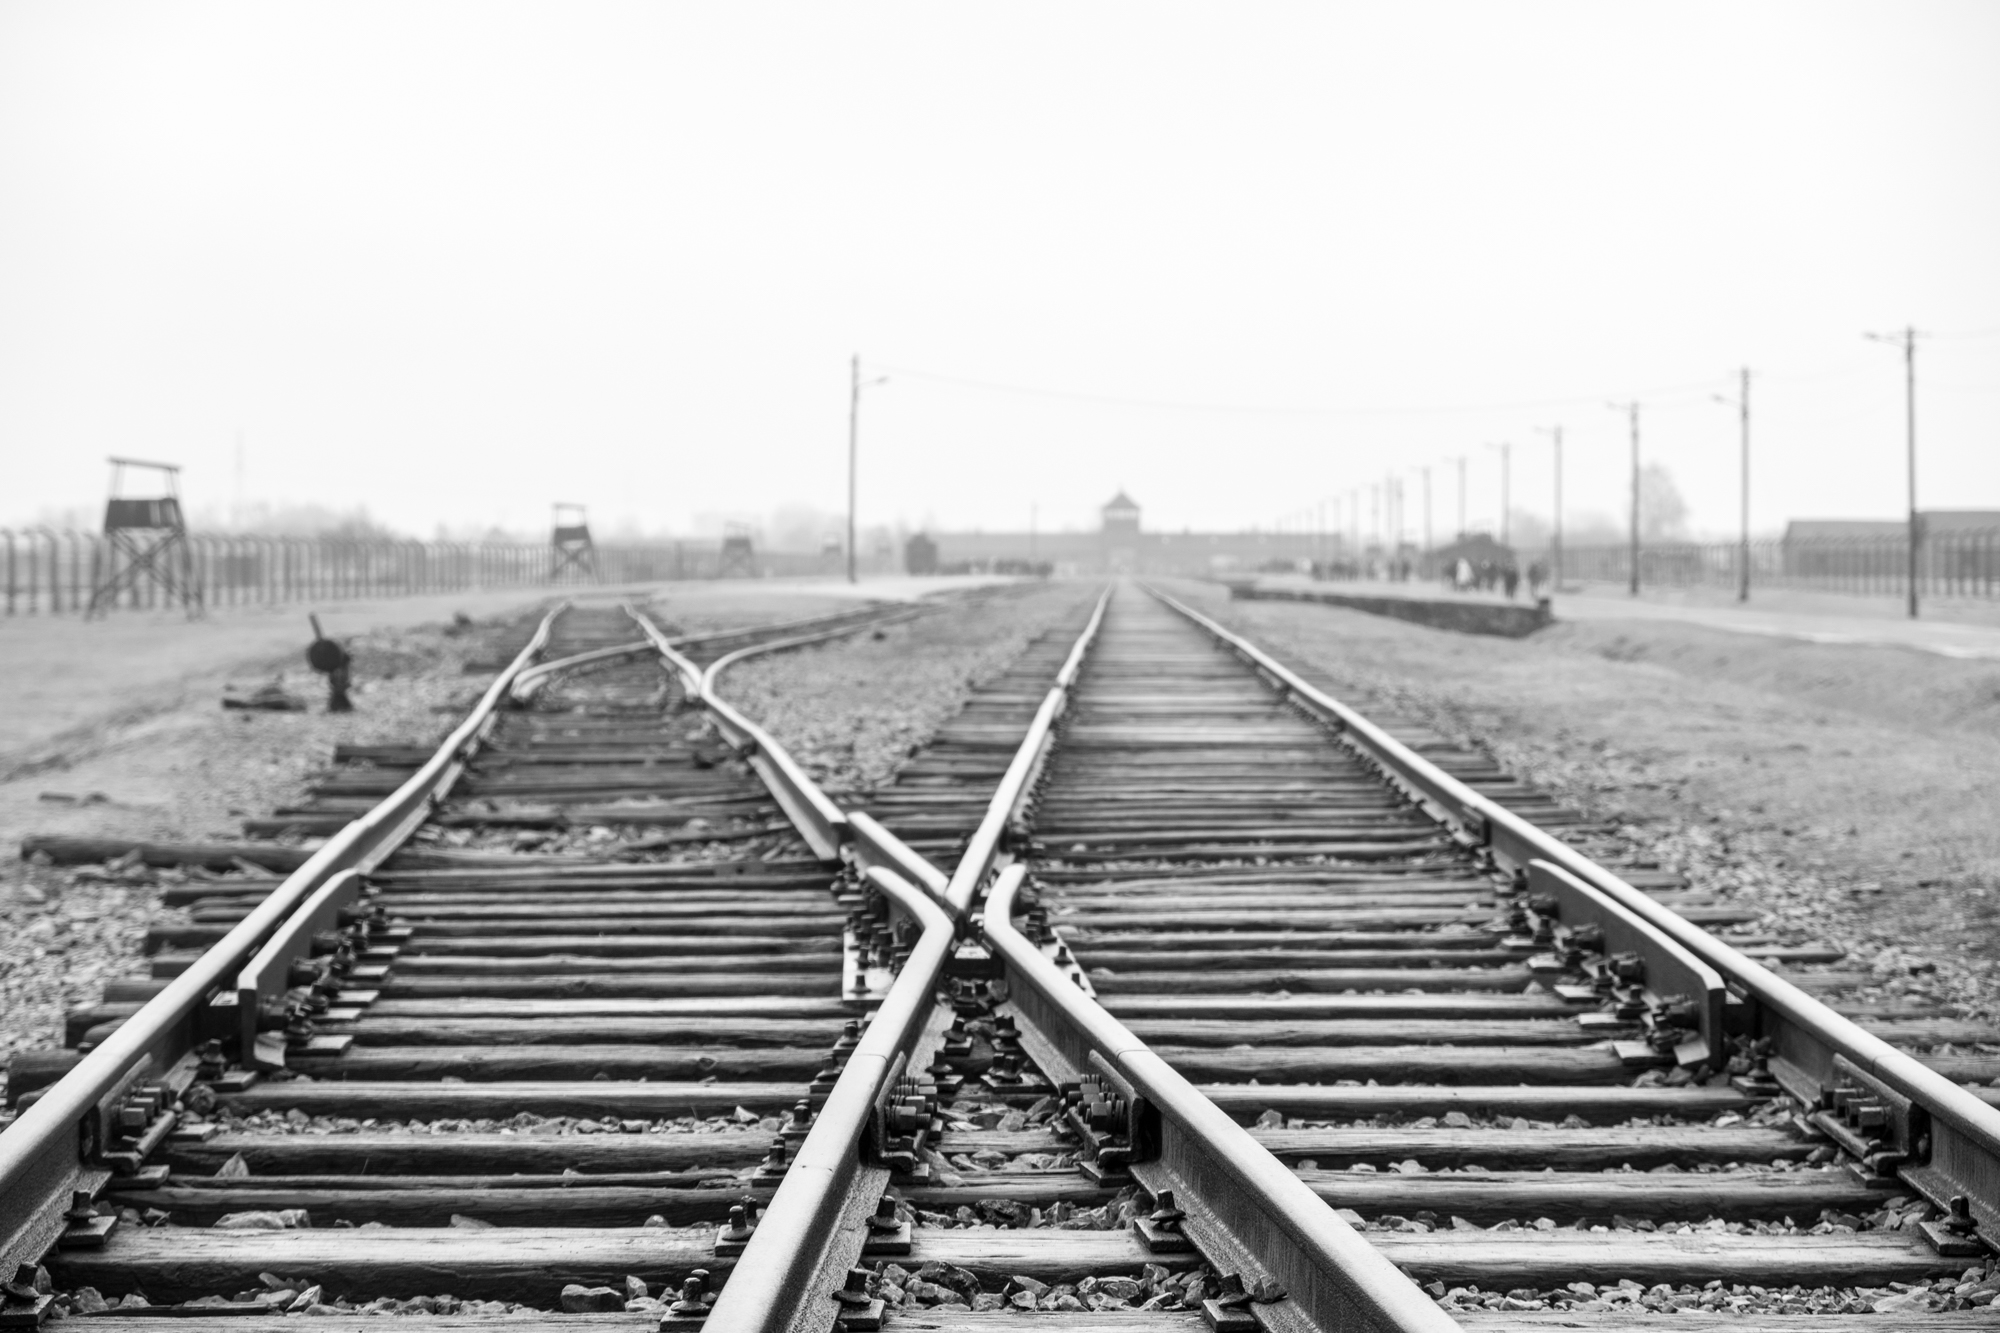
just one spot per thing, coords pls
(1250, 409)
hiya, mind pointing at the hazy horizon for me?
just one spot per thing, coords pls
(454, 262)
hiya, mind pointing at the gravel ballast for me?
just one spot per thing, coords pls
(1842, 791)
(851, 710)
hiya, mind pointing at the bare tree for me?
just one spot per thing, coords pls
(1662, 511)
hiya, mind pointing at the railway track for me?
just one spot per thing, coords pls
(570, 975)
(1285, 966)
(1160, 991)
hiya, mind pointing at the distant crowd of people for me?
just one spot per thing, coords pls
(1392, 571)
(1460, 575)
(1464, 575)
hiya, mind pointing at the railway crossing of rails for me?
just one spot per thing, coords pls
(1159, 983)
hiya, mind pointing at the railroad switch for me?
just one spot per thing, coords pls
(1110, 1122)
(332, 661)
(141, 1124)
(904, 1121)
(1579, 966)
(973, 962)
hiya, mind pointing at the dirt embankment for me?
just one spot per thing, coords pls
(1850, 788)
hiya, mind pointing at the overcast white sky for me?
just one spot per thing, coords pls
(454, 262)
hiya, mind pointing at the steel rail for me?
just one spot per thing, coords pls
(535, 677)
(813, 1231)
(816, 1223)
(1245, 1207)
(819, 821)
(872, 845)
(1022, 771)
(1246, 1210)
(46, 1154)
(1957, 1154)
(822, 823)
(43, 1163)
(530, 682)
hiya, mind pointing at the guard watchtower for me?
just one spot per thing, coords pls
(738, 555)
(570, 544)
(146, 543)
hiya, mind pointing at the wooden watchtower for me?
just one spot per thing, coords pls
(146, 543)
(570, 544)
(739, 556)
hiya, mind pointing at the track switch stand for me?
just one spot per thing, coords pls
(330, 660)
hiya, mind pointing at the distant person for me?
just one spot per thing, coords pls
(1538, 574)
(1511, 576)
(1461, 574)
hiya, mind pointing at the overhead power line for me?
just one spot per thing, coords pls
(1256, 409)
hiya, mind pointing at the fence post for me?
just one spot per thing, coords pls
(55, 578)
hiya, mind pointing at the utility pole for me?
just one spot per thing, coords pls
(1743, 406)
(1633, 408)
(853, 452)
(1908, 338)
(1506, 489)
(1461, 497)
(854, 387)
(1555, 433)
(1427, 508)
(1741, 402)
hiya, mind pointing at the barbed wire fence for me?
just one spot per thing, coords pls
(45, 571)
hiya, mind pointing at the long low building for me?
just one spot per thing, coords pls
(1121, 546)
